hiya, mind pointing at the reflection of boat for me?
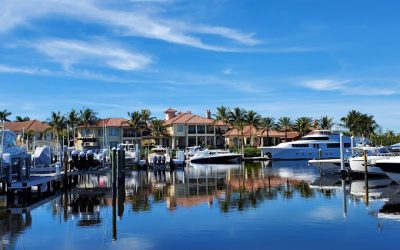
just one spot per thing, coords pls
(299, 170)
(327, 182)
(373, 154)
(375, 187)
(319, 144)
(391, 209)
(215, 156)
(328, 165)
(391, 167)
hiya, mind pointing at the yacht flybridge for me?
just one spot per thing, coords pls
(319, 144)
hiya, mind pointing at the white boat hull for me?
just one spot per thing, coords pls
(282, 153)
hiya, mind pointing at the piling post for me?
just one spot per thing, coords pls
(114, 163)
(352, 144)
(366, 178)
(342, 170)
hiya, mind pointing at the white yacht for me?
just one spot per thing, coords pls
(159, 156)
(356, 162)
(391, 166)
(319, 144)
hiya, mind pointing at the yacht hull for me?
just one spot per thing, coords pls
(392, 169)
(281, 153)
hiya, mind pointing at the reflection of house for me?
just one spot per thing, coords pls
(258, 137)
(187, 129)
(33, 131)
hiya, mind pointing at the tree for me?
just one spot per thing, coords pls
(237, 118)
(253, 120)
(351, 121)
(4, 115)
(360, 124)
(285, 123)
(72, 121)
(303, 124)
(135, 122)
(267, 123)
(21, 119)
(87, 117)
(326, 122)
(222, 115)
(57, 124)
(158, 129)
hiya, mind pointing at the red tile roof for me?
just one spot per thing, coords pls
(33, 125)
(189, 118)
(112, 122)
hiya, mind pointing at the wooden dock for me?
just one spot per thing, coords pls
(35, 180)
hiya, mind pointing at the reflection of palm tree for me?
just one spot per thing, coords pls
(304, 189)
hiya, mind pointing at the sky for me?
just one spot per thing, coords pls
(280, 58)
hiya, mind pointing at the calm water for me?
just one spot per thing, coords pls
(283, 205)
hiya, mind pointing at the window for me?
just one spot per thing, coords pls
(100, 132)
(192, 129)
(210, 129)
(201, 129)
(85, 132)
(128, 132)
(299, 145)
(191, 141)
(113, 132)
(337, 145)
(347, 145)
(180, 128)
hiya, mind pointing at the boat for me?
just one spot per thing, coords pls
(318, 144)
(215, 156)
(159, 157)
(191, 151)
(329, 165)
(357, 164)
(132, 153)
(391, 166)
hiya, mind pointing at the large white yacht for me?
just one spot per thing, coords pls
(319, 144)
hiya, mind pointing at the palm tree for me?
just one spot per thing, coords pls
(222, 116)
(57, 124)
(326, 122)
(4, 114)
(73, 120)
(303, 124)
(145, 116)
(87, 117)
(253, 120)
(158, 129)
(267, 123)
(21, 119)
(351, 121)
(135, 122)
(237, 118)
(284, 123)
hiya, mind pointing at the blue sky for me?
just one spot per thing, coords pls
(280, 58)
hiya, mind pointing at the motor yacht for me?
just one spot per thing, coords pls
(159, 156)
(319, 144)
(357, 164)
(215, 156)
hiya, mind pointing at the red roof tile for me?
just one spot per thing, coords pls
(33, 125)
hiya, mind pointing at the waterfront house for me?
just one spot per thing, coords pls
(31, 133)
(186, 129)
(258, 137)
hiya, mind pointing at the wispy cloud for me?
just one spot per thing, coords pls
(361, 87)
(70, 52)
(131, 22)
(324, 84)
(22, 70)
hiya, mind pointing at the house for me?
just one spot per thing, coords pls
(31, 133)
(258, 137)
(108, 132)
(187, 129)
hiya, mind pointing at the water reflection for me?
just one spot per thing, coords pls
(228, 188)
